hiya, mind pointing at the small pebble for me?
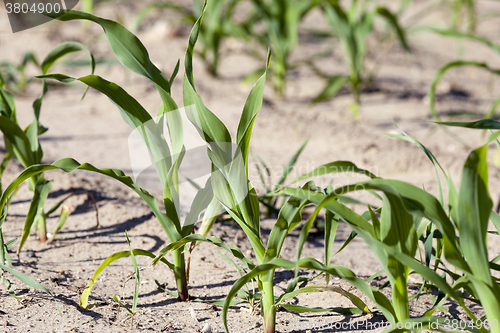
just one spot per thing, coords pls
(4, 323)
(206, 329)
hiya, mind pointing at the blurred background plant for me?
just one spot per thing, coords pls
(13, 77)
(352, 26)
(275, 24)
(218, 25)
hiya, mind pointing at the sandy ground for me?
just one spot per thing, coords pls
(92, 131)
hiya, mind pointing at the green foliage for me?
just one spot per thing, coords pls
(236, 194)
(352, 27)
(134, 56)
(490, 113)
(463, 12)
(457, 229)
(24, 145)
(281, 19)
(13, 77)
(217, 26)
(267, 199)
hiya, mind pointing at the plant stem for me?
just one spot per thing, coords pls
(400, 298)
(2, 248)
(42, 228)
(180, 274)
(268, 307)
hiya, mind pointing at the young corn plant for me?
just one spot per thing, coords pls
(166, 151)
(217, 26)
(13, 77)
(24, 145)
(270, 201)
(463, 12)
(352, 27)
(236, 194)
(490, 113)
(281, 19)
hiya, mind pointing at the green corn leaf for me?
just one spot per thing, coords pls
(211, 214)
(334, 167)
(331, 225)
(127, 47)
(198, 238)
(63, 49)
(40, 193)
(416, 201)
(32, 134)
(393, 21)
(11, 242)
(29, 281)
(288, 168)
(303, 309)
(349, 239)
(473, 214)
(250, 111)
(138, 252)
(69, 165)
(19, 142)
(331, 89)
(312, 289)
(459, 34)
(138, 119)
(480, 124)
(495, 219)
(7, 104)
(211, 129)
(117, 300)
(137, 282)
(65, 211)
(58, 52)
(418, 204)
(443, 70)
(375, 223)
(202, 200)
(397, 230)
(130, 52)
(288, 218)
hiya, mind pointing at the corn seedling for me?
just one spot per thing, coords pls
(167, 152)
(217, 25)
(352, 27)
(13, 77)
(281, 19)
(462, 12)
(490, 113)
(270, 201)
(24, 145)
